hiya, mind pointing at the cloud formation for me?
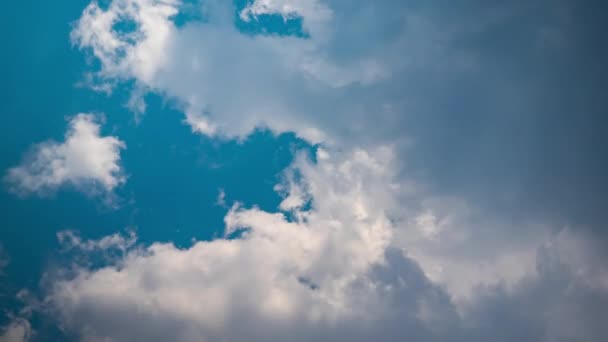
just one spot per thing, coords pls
(284, 269)
(85, 160)
(323, 268)
(493, 102)
(392, 232)
(179, 62)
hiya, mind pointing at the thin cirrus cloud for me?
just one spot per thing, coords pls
(85, 160)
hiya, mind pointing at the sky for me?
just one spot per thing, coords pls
(296, 170)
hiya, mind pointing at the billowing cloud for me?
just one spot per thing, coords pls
(180, 62)
(299, 267)
(483, 96)
(323, 268)
(85, 160)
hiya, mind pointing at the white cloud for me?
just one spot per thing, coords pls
(84, 160)
(221, 198)
(328, 271)
(96, 29)
(202, 66)
(315, 13)
(70, 240)
(462, 248)
(279, 271)
(18, 330)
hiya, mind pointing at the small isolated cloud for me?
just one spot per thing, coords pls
(71, 240)
(85, 160)
(221, 198)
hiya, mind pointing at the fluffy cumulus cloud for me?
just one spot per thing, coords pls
(285, 271)
(325, 267)
(391, 231)
(179, 62)
(85, 160)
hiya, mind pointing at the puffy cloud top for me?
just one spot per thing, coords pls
(84, 160)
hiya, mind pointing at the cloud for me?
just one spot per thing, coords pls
(284, 269)
(482, 96)
(85, 160)
(71, 240)
(562, 302)
(326, 268)
(18, 330)
(457, 231)
(186, 58)
(421, 77)
(315, 14)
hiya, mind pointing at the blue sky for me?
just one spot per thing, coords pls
(197, 170)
